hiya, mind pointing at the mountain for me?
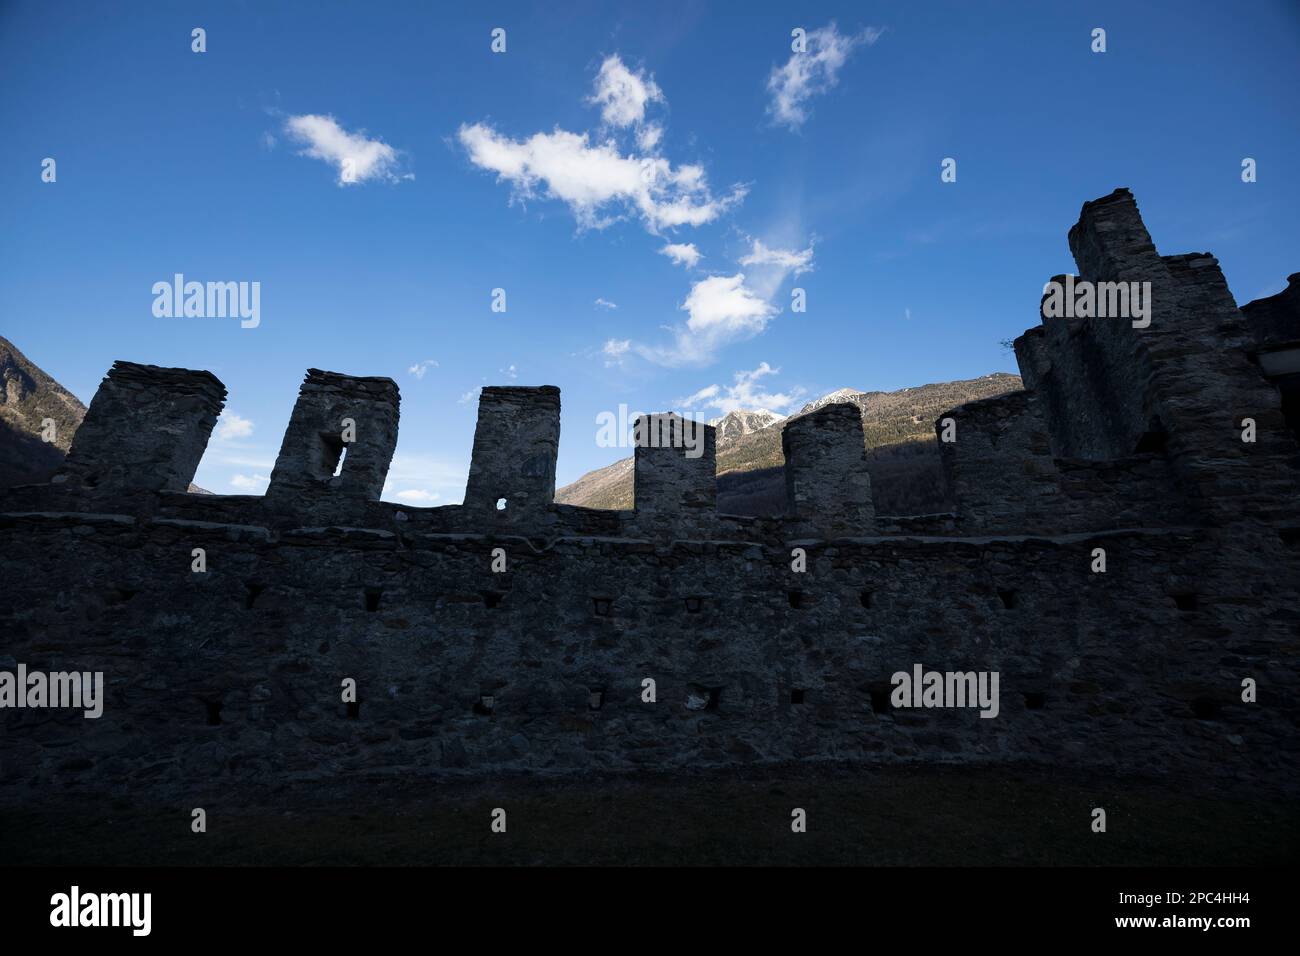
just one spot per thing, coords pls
(608, 487)
(902, 456)
(739, 423)
(27, 398)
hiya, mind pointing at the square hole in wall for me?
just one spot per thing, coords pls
(119, 596)
(213, 713)
(485, 705)
(1185, 601)
(251, 592)
(595, 698)
(354, 709)
(492, 599)
(1205, 708)
(795, 597)
(501, 504)
(715, 698)
(1035, 700)
(602, 606)
(1152, 442)
(797, 696)
(1008, 597)
(694, 605)
(331, 455)
(372, 599)
(880, 702)
(865, 597)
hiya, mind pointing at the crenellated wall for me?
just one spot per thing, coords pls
(145, 431)
(342, 424)
(1118, 555)
(827, 484)
(516, 441)
(675, 470)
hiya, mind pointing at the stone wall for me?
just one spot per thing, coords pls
(827, 485)
(145, 431)
(341, 424)
(1122, 578)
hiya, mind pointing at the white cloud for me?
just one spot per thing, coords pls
(419, 368)
(786, 259)
(239, 461)
(232, 426)
(249, 483)
(722, 309)
(725, 309)
(509, 372)
(417, 495)
(615, 350)
(707, 392)
(424, 479)
(812, 72)
(467, 397)
(682, 253)
(623, 94)
(768, 266)
(596, 181)
(648, 137)
(744, 393)
(605, 304)
(356, 157)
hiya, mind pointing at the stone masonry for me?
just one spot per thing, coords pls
(511, 633)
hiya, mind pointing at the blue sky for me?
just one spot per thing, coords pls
(477, 170)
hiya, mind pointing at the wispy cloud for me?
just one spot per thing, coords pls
(419, 368)
(812, 72)
(232, 427)
(422, 479)
(356, 157)
(468, 396)
(725, 309)
(249, 484)
(598, 179)
(721, 310)
(615, 350)
(789, 260)
(682, 253)
(744, 392)
(606, 304)
(417, 496)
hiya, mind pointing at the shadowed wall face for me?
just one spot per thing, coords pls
(516, 442)
(340, 438)
(145, 430)
(676, 466)
(1160, 386)
(826, 476)
(1122, 599)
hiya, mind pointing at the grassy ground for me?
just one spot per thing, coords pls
(887, 816)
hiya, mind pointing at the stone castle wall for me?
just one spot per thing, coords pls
(1126, 440)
